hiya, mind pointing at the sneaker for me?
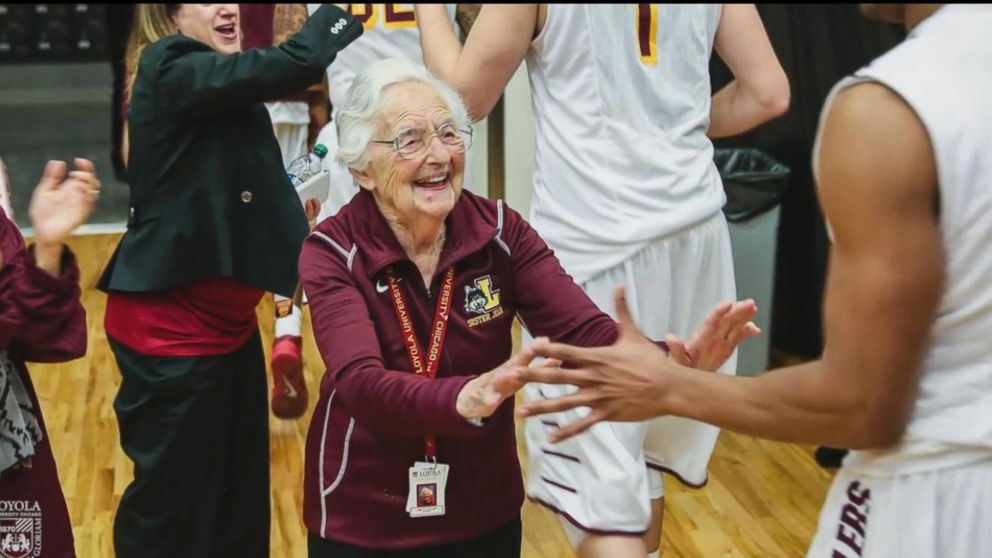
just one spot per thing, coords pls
(289, 389)
(829, 458)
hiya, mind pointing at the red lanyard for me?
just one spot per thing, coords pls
(438, 330)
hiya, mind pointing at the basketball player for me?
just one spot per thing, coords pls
(625, 192)
(905, 180)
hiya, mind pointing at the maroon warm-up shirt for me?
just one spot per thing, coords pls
(257, 31)
(373, 412)
(41, 320)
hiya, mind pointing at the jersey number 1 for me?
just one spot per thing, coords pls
(647, 33)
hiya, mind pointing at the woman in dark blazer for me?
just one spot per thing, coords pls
(213, 224)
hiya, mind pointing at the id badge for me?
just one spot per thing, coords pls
(426, 495)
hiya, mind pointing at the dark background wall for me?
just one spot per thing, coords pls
(57, 94)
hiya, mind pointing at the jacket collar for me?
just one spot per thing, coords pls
(466, 233)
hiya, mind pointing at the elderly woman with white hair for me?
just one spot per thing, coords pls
(413, 287)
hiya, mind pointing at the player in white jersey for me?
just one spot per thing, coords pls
(625, 192)
(905, 180)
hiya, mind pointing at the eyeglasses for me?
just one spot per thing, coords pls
(411, 144)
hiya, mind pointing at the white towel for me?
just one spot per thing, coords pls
(20, 430)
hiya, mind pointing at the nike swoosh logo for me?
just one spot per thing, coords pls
(379, 287)
(289, 389)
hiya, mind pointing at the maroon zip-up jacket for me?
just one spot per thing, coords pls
(41, 320)
(373, 412)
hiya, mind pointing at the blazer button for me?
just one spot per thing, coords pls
(246, 196)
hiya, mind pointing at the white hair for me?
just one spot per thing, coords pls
(363, 102)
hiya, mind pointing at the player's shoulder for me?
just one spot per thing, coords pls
(872, 135)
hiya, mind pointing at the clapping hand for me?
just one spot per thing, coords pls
(726, 327)
(480, 397)
(628, 381)
(60, 204)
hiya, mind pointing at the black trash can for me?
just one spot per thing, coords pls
(755, 184)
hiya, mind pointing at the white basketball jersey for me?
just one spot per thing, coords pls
(944, 72)
(390, 32)
(621, 99)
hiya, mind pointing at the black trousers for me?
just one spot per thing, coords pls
(502, 542)
(196, 429)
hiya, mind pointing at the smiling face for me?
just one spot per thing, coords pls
(216, 25)
(425, 186)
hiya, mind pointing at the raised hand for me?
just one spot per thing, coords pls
(60, 204)
(621, 382)
(482, 396)
(629, 380)
(726, 326)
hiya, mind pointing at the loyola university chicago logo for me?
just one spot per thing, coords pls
(20, 529)
(482, 299)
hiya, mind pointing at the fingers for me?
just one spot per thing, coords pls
(553, 375)
(536, 408)
(84, 179)
(725, 318)
(740, 334)
(714, 320)
(552, 363)
(500, 384)
(87, 177)
(84, 165)
(53, 175)
(505, 383)
(677, 350)
(562, 352)
(729, 319)
(740, 314)
(86, 183)
(576, 427)
(627, 325)
(526, 355)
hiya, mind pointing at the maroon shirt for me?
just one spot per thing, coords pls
(372, 414)
(41, 320)
(211, 317)
(257, 31)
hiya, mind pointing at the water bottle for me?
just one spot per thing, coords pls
(305, 167)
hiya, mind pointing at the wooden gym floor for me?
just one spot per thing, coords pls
(761, 501)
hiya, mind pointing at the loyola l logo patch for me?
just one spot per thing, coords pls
(482, 299)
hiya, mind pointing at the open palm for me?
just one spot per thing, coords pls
(726, 326)
(627, 381)
(59, 203)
